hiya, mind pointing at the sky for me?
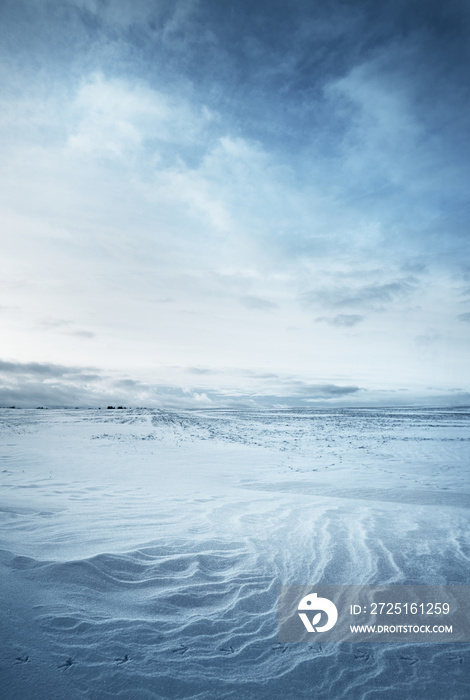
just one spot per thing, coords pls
(254, 203)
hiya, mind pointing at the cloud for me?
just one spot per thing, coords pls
(44, 369)
(127, 384)
(254, 302)
(34, 383)
(54, 323)
(57, 324)
(372, 296)
(341, 320)
(116, 119)
(464, 317)
(431, 337)
(326, 390)
(82, 334)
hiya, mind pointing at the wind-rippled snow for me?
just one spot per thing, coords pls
(142, 550)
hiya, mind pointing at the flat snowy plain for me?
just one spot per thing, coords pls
(141, 550)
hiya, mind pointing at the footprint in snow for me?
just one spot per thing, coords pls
(21, 659)
(455, 657)
(412, 660)
(180, 650)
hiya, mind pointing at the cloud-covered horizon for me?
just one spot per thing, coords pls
(268, 186)
(45, 385)
(27, 384)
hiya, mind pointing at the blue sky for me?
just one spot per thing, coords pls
(234, 203)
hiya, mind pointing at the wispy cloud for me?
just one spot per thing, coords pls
(315, 391)
(429, 338)
(46, 370)
(201, 370)
(65, 327)
(372, 296)
(253, 302)
(341, 320)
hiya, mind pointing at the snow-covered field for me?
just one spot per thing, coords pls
(141, 550)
